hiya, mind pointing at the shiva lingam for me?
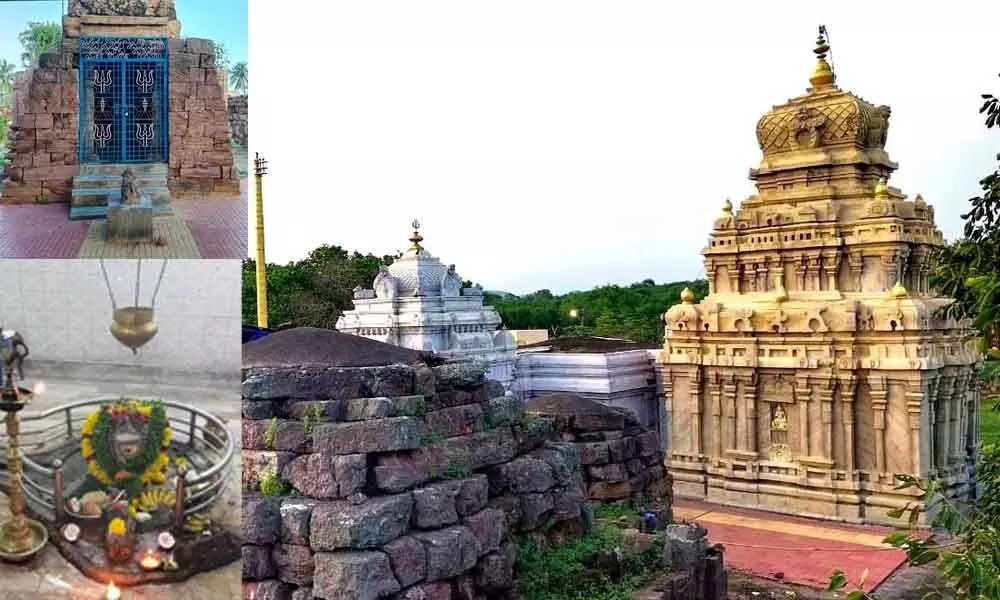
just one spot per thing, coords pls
(20, 537)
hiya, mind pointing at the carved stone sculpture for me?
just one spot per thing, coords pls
(385, 284)
(451, 283)
(130, 193)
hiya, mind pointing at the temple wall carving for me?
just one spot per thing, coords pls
(820, 365)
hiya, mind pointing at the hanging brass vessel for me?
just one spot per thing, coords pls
(133, 326)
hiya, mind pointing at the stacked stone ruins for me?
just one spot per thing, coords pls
(410, 479)
(185, 144)
(621, 459)
(821, 364)
(419, 303)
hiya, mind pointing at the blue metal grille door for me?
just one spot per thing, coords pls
(123, 97)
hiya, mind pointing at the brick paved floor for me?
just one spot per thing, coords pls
(40, 231)
(218, 225)
(50, 576)
(794, 549)
(210, 227)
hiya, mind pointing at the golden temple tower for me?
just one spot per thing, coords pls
(819, 366)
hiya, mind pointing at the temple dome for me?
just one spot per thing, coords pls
(825, 116)
(418, 270)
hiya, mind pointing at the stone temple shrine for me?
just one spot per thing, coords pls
(419, 303)
(821, 364)
(123, 90)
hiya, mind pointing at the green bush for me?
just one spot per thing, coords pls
(568, 571)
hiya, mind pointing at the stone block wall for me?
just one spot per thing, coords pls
(409, 481)
(238, 119)
(43, 156)
(621, 459)
(201, 155)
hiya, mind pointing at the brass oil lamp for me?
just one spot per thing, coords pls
(20, 537)
(134, 326)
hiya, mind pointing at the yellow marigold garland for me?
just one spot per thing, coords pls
(155, 472)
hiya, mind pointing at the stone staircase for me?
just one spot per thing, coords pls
(95, 186)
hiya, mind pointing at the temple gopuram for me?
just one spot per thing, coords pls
(821, 364)
(418, 302)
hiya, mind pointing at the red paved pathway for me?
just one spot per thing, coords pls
(218, 225)
(40, 231)
(793, 549)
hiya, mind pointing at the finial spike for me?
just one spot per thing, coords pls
(822, 76)
(416, 238)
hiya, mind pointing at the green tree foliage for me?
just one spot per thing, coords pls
(312, 292)
(969, 270)
(7, 70)
(37, 39)
(631, 312)
(239, 77)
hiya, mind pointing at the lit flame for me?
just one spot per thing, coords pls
(39, 388)
(113, 592)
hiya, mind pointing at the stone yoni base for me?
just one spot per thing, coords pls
(130, 224)
(194, 554)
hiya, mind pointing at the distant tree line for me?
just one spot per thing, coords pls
(631, 312)
(315, 291)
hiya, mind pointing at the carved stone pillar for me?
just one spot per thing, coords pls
(916, 412)
(729, 402)
(892, 266)
(750, 400)
(666, 379)
(762, 277)
(972, 429)
(918, 281)
(847, 387)
(803, 398)
(715, 392)
(958, 412)
(695, 408)
(735, 275)
(824, 392)
(710, 274)
(801, 271)
(880, 402)
(830, 264)
(815, 272)
(943, 426)
(856, 262)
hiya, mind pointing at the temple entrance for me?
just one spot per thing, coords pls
(123, 100)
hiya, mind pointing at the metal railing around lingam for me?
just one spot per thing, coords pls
(53, 463)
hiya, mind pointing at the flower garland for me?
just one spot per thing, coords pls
(149, 466)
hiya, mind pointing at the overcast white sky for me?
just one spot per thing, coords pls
(567, 144)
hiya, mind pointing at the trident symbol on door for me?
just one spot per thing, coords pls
(102, 133)
(144, 80)
(144, 133)
(102, 80)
